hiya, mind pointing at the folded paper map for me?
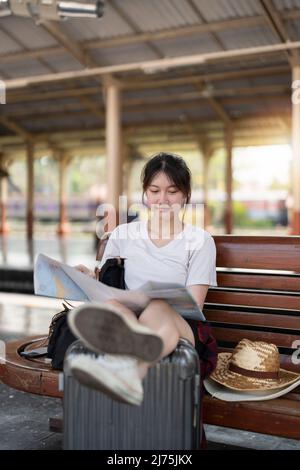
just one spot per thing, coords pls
(55, 279)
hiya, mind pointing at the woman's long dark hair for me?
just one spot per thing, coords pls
(174, 167)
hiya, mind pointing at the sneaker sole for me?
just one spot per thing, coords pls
(102, 329)
(103, 381)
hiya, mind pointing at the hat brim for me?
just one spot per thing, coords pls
(223, 393)
(239, 382)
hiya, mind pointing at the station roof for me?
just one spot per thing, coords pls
(188, 69)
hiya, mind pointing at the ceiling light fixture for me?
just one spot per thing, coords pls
(52, 9)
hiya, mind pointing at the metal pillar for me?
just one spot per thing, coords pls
(228, 215)
(113, 145)
(30, 188)
(295, 225)
(207, 215)
(4, 229)
(63, 224)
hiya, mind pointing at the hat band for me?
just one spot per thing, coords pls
(253, 373)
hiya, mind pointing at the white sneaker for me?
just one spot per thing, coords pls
(102, 328)
(116, 376)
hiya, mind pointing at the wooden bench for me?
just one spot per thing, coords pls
(32, 375)
(258, 297)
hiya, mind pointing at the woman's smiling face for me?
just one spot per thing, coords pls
(163, 196)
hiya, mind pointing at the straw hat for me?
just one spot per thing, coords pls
(253, 366)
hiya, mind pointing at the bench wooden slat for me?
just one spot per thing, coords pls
(293, 396)
(276, 418)
(255, 299)
(256, 252)
(277, 405)
(257, 280)
(240, 317)
(235, 335)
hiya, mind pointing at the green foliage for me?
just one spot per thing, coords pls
(216, 210)
(242, 219)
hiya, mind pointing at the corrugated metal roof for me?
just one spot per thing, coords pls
(7, 44)
(232, 84)
(123, 55)
(151, 16)
(142, 94)
(132, 118)
(158, 14)
(200, 112)
(43, 106)
(27, 32)
(258, 106)
(163, 114)
(247, 37)
(286, 4)
(63, 62)
(272, 80)
(217, 10)
(60, 122)
(257, 61)
(191, 45)
(293, 29)
(110, 25)
(27, 68)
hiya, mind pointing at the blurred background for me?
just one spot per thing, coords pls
(90, 90)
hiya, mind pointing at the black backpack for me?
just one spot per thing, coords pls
(60, 335)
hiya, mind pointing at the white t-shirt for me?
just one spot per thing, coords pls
(188, 259)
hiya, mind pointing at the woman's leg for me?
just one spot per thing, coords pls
(160, 317)
(167, 323)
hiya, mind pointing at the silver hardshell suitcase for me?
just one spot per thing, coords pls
(169, 417)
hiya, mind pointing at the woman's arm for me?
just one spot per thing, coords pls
(199, 292)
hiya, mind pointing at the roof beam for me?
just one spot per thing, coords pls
(20, 43)
(203, 21)
(159, 64)
(147, 107)
(203, 124)
(180, 140)
(220, 111)
(16, 128)
(51, 95)
(276, 24)
(180, 32)
(96, 110)
(215, 105)
(274, 20)
(16, 97)
(135, 28)
(218, 76)
(228, 95)
(211, 27)
(69, 44)
(139, 38)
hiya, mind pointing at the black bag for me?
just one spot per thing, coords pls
(60, 335)
(112, 273)
(59, 339)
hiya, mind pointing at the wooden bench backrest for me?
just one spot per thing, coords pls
(258, 293)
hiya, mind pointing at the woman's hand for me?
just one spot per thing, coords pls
(83, 269)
